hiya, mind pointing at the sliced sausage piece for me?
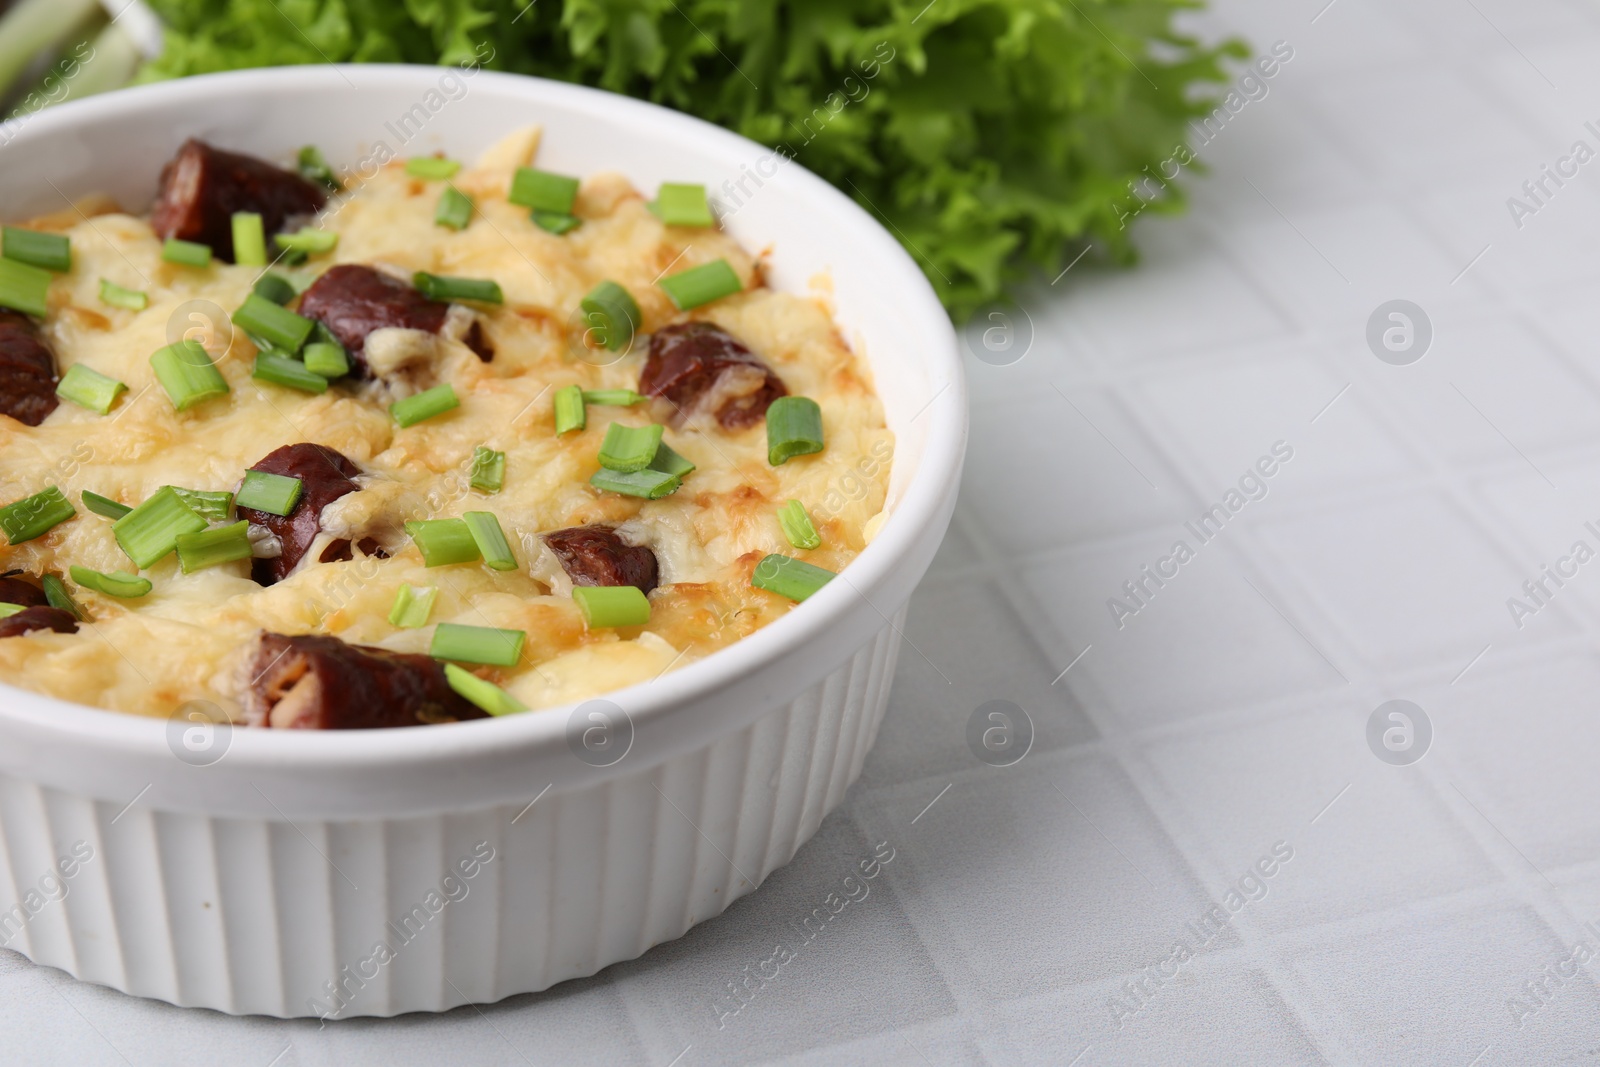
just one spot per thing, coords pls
(27, 371)
(701, 368)
(313, 682)
(352, 300)
(595, 555)
(38, 618)
(19, 587)
(326, 475)
(202, 187)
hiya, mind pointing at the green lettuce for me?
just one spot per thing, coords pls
(995, 138)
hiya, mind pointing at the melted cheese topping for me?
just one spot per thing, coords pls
(188, 639)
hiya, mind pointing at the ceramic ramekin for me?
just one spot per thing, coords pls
(387, 871)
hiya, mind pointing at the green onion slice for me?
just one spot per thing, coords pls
(551, 222)
(650, 484)
(412, 606)
(211, 506)
(610, 315)
(328, 360)
(570, 411)
(612, 605)
(187, 373)
(208, 548)
(249, 240)
(670, 462)
(186, 253)
(307, 241)
(150, 531)
(24, 288)
(438, 287)
(117, 583)
(790, 577)
(491, 540)
(616, 398)
(488, 469)
(52, 251)
(279, 369)
(681, 204)
(274, 287)
(477, 644)
(313, 167)
(454, 210)
(797, 526)
(114, 295)
(278, 326)
(8, 610)
(101, 505)
(701, 285)
(89, 388)
(275, 494)
(443, 541)
(794, 428)
(486, 695)
(432, 168)
(35, 515)
(543, 191)
(55, 591)
(629, 448)
(424, 405)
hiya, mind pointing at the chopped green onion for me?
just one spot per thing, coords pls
(187, 374)
(543, 191)
(443, 541)
(629, 448)
(617, 398)
(432, 168)
(669, 462)
(207, 548)
(650, 484)
(797, 526)
(151, 530)
(488, 469)
(292, 257)
(211, 506)
(329, 361)
(311, 241)
(412, 606)
(314, 168)
(611, 316)
(570, 412)
(275, 494)
(790, 577)
(35, 515)
(278, 326)
(117, 583)
(274, 287)
(52, 251)
(551, 222)
(116, 296)
(477, 644)
(249, 240)
(89, 388)
(186, 253)
(424, 405)
(55, 591)
(794, 428)
(24, 288)
(8, 610)
(681, 204)
(701, 285)
(104, 505)
(454, 210)
(491, 540)
(438, 287)
(279, 369)
(486, 695)
(612, 605)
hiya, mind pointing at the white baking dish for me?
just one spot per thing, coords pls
(261, 881)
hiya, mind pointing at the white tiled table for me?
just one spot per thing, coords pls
(1230, 713)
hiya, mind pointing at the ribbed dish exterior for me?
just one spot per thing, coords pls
(424, 914)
